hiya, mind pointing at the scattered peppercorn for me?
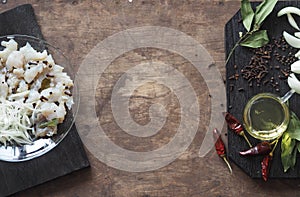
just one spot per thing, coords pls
(277, 54)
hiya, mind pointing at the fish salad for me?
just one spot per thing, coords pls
(35, 94)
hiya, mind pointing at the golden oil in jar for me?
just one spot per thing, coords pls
(266, 116)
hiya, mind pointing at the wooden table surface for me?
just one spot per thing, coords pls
(77, 26)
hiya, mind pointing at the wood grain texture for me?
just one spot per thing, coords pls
(76, 27)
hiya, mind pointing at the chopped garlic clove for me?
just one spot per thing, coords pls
(294, 83)
(15, 60)
(33, 96)
(18, 96)
(31, 54)
(11, 45)
(32, 72)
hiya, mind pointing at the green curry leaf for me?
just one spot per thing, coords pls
(253, 38)
(247, 14)
(294, 127)
(262, 11)
(290, 143)
(51, 123)
(45, 84)
(288, 157)
(256, 39)
(298, 147)
(294, 157)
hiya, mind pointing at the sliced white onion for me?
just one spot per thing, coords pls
(291, 40)
(289, 9)
(297, 55)
(295, 67)
(292, 21)
(297, 34)
(294, 83)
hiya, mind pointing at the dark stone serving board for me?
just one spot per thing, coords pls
(241, 92)
(67, 157)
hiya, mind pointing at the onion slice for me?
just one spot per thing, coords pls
(291, 40)
(295, 67)
(292, 21)
(297, 55)
(289, 9)
(297, 34)
(294, 83)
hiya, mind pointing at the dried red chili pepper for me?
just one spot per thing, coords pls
(220, 148)
(235, 126)
(265, 166)
(233, 123)
(266, 162)
(260, 149)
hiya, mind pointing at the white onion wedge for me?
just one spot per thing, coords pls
(297, 34)
(297, 55)
(295, 67)
(291, 40)
(291, 10)
(294, 83)
(292, 21)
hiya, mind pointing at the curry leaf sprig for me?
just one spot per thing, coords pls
(290, 143)
(252, 21)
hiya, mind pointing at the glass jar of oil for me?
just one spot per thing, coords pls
(266, 116)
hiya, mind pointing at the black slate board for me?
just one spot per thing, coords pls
(237, 98)
(67, 157)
